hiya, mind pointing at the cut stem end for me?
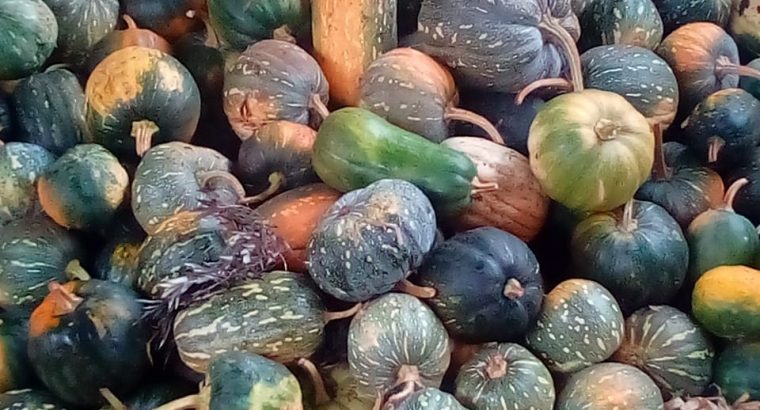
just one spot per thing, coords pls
(143, 132)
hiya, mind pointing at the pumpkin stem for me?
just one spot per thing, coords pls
(605, 129)
(496, 367)
(513, 289)
(319, 106)
(112, 400)
(184, 403)
(407, 388)
(283, 33)
(207, 176)
(660, 171)
(64, 301)
(567, 44)
(628, 224)
(724, 66)
(378, 402)
(143, 132)
(716, 144)
(459, 114)
(331, 316)
(74, 270)
(480, 187)
(276, 180)
(56, 67)
(131, 25)
(560, 83)
(421, 292)
(322, 397)
(728, 199)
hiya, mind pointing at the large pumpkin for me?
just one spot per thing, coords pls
(629, 22)
(29, 35)
(676, 13)
(81, 24)
(240, 24)
(21, 164)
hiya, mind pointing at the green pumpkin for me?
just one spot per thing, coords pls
(505, 373)
(415, 348)
(630, 22)
(138, 97)
(81, 24)
(84, 188)
(638, 253)
(240, 24)
(199, 51)
(748, 197)
(118, 258)
(50, 110)
(580, 324)
(30, 399)
(20, 166)
(87, 335)
(33, 251)
(171, 19)
(15, 372)
(676, 13)
(726, 303)
(590, 150)
(736, 371)
(610, 386)
(670, 347)
(29, 34)
(751, 84)
(370, 240)
(426, 399)
(744, 21)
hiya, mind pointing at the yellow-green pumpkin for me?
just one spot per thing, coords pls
(726, 301)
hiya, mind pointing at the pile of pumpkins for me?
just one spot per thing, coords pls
(379, 204)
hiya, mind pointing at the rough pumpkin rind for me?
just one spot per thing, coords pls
(610, 386)
(28, 38)
(20, 166)
(81, 24)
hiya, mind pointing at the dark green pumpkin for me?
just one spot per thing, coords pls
(167, 18)
(747, 200)
(20, 166)
(630, 22)
(580, 324)
(505, 373)
(131, 35)
(240, 24)
(638, 253)
(156, 391)
(15, 372)
(118, 258)
(263, 85)
(416, 348)
(736, 371)
(29, 35)
(7, 118)
(610, 386)
(637, 74)
(676, 13)
(33, 251)
(81, 24)
(487, 283)
(751, 84)
(84, 188)
(371, 239)
(670, 347)
(199, 51)
(138, 97)
(50, 110)
(85, 336)
(426, 399)
(30, 399)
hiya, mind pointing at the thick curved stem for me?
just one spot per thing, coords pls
(320, 391)
(728, 198)
(74, 270)
(184, 403)
(566, 43)
(560, 83)
(660, 171)
(513, 289)
(422, 292)
(317, 105)
(283, 33)
(143, 132)
(344, 314)
(454, 113)
(716, 144)
(112, 400)
(64, 301)
(628, 224)
(276, 181)
(724, 66)
(206, 177)
(131, 25)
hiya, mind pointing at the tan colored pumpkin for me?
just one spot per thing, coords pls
(517, 206)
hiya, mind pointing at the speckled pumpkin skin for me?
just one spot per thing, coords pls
(20, 166)
(81, 24)
(168, 18)
(117, 260)
(242, 23)
(676, 13)
(30, 399)
(428, 399)
(29, 35)
(84, 188)
(610, 386)
(280, 317)
(416, 338)
(371, 239)
(580, 324)
(632, 22)
(140, 84)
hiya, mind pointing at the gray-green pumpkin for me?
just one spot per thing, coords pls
(28, 33)
(81, 24)
(631, 22)
(20, 166)
(610, 386)
(426, 399)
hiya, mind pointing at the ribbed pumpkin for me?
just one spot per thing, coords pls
(30, 32)
(30, 399)
(81, 24)
(670, 347)
(725, 302)
(240, 24)
(131, 35)
(629, 22)
(610, 386)
(138, 97)
(20, 166)
(15, 372)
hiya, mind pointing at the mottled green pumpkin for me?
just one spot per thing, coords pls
(118, 258)
(426, 399)
(610, 386)
(736, 371)
(505, 373)
(138, 97)
(20, 166)
(81, 24)
(28, 37)
(15, 372)
(30, 399)
(240, 24)
(84, 188)
(580, 324)
(725, 301)
(630, 22)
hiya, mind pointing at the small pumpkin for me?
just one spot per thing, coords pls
(138, 97)
(241, 24)
(505, 373)
(81, 24)
(262, 86)
(30, 399)
(117, 260)
(84, 188)
(15, 372)
(28, 38)
(427, 398)
(725, 302)
(609, 386)
(87, 335)
(629, 22)
(736, 371)
(131, 35)
(677, 13)
(20, 166)
(170, 19)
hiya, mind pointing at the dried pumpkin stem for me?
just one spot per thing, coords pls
(276, 181)
(459, 114)
(422, 292)
(660, 171)
(74, 270)
(283, 33)
(112, 400)
(567, 44)
(496, 367)
(319, 106)
(730, 196)
(724, 66)
(131, 25)
(480, 187)
(320, 391)
(513, 289)
(64, 301)
(56, 67)
(184, 403)
(206, 177)
(560, 83)
(143, 132)
(716, 144)
(628, 224)
(343, 314)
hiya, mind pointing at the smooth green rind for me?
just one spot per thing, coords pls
(429, 399)
(28, 34)
(577, 168)
(81, 24)
(631, 22)
(725, 301)
(355, 148)
(580, 324)
(30, 399)
(240, 24)
(20, 166)
(610, 386)
(736, 371)
(676, 13)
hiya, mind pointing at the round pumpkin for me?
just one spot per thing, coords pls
(629, 22)
(81, 24)
(30, 399)
(725, 302)
(241, 24)
(171, 19)
(138, 97)
(131, 35)
(590, 150)
(29, 35)
(676, 13)
(610, 386)
(20, 166)
(736, 371)
(84, 188)
(427, 398)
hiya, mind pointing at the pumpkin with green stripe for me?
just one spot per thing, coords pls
(131, 35)
(610, 386)
(50, 110)
(415, 349)
(630, 22)
(736, 371)
(744, 22)
(29, 35)
(30, 399)
(138, 97)
(33, 251)
(726, 303)
(426, 399)
(21, 164)
(580, 324)
(81, 24)
(356, 147)
(670, 347)
(505, 373)
(590, 150)
(676, 13)
(84, 188)
(240, 24)
(279, 316)
(15, 372)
